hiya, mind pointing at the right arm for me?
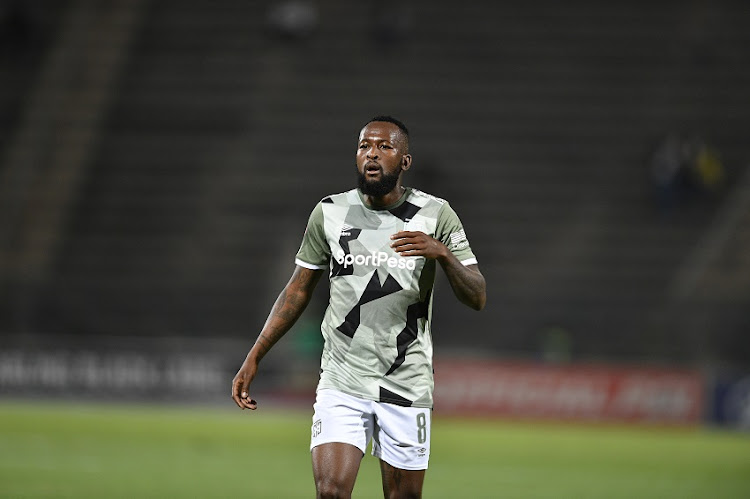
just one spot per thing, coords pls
(288, 307)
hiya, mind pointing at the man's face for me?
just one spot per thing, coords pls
(381, 157)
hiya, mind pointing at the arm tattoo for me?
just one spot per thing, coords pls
(288, 307)
(468, 285)
(264, 342)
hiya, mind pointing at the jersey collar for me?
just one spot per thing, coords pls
(401, 200)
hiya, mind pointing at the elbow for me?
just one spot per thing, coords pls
(481, 297)
(479, 303)
(474, 293)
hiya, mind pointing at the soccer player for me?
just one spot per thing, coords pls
(381, 243)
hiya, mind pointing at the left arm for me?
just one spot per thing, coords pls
(466, 281)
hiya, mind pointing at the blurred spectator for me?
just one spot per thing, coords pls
(707, 170)
(667, 165)
(685, 169)
(292, 19)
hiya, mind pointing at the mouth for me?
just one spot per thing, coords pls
(372, 169)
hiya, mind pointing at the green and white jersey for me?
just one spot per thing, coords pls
(378, 344)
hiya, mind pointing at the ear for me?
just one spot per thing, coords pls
(406, 162)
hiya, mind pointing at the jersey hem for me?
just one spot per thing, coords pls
(351, 393)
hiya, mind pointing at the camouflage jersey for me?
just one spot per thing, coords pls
(378, 344)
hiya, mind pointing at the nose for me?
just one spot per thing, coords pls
(372, 153)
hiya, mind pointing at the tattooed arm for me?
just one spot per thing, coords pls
(467, 281)
(288, 307)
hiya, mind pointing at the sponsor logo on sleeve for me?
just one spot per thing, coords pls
(458, 240)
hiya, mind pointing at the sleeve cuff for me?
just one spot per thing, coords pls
(469, 261)
(308, 265)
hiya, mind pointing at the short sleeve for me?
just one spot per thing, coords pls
(314, 253)
(450, 232)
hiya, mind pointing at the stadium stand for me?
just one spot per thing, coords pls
(534, 119)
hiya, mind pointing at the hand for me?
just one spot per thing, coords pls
(412, 243)
(241, 384)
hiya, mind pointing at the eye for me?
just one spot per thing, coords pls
(363, 146)
(385, 146)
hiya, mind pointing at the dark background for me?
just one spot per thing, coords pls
(159, 160)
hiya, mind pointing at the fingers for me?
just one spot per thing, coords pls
(236, 393)
(244, 401)
(241, 396)
(247, 402)
(405, 233)
(405, 238)
(408, 243)
(409, 250)
(415, 243)
(237, 387)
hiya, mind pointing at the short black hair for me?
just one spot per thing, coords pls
(391, 119)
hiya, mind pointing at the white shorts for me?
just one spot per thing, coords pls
(400, 435)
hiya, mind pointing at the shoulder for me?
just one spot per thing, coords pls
(429, 206)
(342, 198)
(422, 198)
(333, 207)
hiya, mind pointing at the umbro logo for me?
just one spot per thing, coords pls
(346, 230)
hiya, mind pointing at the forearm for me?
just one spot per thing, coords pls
(467, 281)
(285, 312)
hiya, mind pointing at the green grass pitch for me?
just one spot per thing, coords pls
(79, 451)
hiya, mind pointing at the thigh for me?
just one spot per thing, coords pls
(335, 468)
(399, 483)
(342, 426)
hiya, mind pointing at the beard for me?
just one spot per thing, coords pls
(377, 188)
